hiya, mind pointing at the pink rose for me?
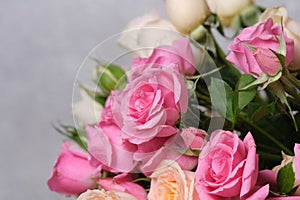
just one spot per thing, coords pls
(106, 145)
(193, 138)
(105, 195)
(150, 105)
(123, 183)
(263, 35)
(227, 167)
(72, 173)
(179, 56)
(169, 181)
(291, 27)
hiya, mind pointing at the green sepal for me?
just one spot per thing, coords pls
(286, 178)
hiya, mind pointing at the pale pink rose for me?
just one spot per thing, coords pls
(264, 35)
(179, 56)
(72, 173)
(169, 181)
(227, 167)
(123, 183)
(291, 27)
(150, 105)
(106, 145)
(173, 148)
(108, 195)
(193, 138)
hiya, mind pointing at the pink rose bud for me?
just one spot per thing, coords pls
(268, 61)
(261, 36)
(72, 173)
(193, 138)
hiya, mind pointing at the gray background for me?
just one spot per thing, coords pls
(42, 44)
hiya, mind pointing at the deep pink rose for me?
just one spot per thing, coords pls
(72, 173)
(106, 145)
(265, 36)
(227, 167)
(123, 183)
(193, 138)
(179, 56)
(150, 105)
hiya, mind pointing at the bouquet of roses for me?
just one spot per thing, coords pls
(187, 121)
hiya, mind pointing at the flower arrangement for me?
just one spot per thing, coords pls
(187, 121)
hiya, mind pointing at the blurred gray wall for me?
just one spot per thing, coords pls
(42, 44)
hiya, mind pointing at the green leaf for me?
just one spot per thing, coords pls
(263, 111)
(262, 79)
(221, 97)
(77, 135)
(245, 96)
(286, 178)
(94, 94)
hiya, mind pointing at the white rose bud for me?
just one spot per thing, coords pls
(145, 33)
(291, 27)
(227, 10)
(186, 15)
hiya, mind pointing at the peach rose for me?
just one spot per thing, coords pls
(102, 195)
(169, 181)
(291, 27)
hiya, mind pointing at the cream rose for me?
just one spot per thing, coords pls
(170, 182)
(145, 33)
(108, 195)
(187, 15)
(227, 10)
(291, 27)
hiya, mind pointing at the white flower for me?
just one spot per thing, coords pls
(187, 15)
(145, 33)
